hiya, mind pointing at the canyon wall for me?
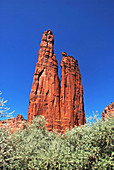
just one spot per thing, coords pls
(108, 111)
(14, 124)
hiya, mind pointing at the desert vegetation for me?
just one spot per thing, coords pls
(85, 147)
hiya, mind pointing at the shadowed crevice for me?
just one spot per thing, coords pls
(40, 73)
(38, 79)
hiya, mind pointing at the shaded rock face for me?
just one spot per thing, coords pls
(108, 110)
(71, 96)
(14, 123)
(44, 96)
(61, 106)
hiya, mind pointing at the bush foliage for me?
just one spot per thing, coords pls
(3, 109)
(85, 147)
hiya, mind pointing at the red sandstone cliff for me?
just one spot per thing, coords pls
(71, 96)
(14, 123)
(44, 96)
(62, 106)
(108, 110)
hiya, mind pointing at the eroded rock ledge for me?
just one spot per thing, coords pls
(14, 124)
(108, 111)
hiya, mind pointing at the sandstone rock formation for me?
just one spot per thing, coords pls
(44, 96)
(71, 96)
(61, 106)
(14, 123)
(108, 110)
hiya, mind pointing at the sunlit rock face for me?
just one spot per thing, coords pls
(45, 92)
(71, 95)
(108, 111)
(61, 106)
(14, 124)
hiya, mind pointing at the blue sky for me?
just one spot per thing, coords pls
(82, 28)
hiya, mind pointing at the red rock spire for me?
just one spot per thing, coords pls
(71, 96)
(44, 96)
(62, 106)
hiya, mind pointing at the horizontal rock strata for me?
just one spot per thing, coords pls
(14, 124)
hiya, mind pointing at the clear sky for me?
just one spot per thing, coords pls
(82, 28)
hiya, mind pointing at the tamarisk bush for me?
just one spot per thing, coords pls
(85, 147)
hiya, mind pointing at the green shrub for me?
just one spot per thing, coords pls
(3, 109)
(85, 147)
